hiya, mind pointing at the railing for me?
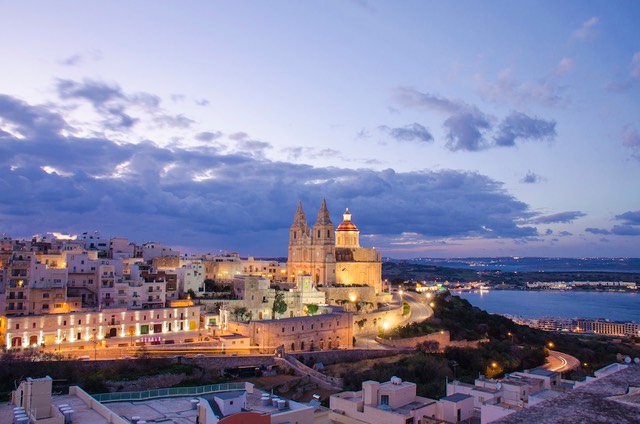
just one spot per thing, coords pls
(169, 392)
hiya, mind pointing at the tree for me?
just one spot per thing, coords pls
(279, 304)
(312, 308)
(240, 313)
(428, 346)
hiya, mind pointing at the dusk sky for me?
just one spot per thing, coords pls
(448, 128)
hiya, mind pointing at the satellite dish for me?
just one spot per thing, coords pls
(636, 360)
(498, 385)
(627, 359)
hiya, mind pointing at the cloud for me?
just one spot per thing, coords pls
(174, 121)
(626, 84)
(296, 153)
(518, 125)
(208, 199)
(564, 67)
(630, 217)
(565, 234)
(588, 29)
(531, 178)
(592, 230)
(619, 86)
(79, 59)
(562, 217)
(411, 132)
(98, 93)
(468, 128)
(411, 98)
(522, 93)
(207, 136)
(631, 138)
(30, 121)
(626, 230)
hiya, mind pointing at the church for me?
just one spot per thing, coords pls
(331, 256)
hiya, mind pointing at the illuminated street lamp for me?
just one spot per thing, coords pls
(385, 326)
(551, 345)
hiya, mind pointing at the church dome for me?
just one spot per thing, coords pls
(346, 224)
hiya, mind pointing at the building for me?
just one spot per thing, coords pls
(331, 256)
(391, 402)
(611, 398)
(110, 326)
(305, 333)
(232, 403)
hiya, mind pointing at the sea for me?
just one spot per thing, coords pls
(529, 264)
(613, 306)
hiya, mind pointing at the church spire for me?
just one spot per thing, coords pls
(323, 214)
(299, 219)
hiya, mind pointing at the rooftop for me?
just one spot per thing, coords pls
(456, 397)
(611, 399)
(542, 372)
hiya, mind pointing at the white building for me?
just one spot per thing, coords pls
(392, 402)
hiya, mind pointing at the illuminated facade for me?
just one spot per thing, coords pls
(331, 256)
(81, 328)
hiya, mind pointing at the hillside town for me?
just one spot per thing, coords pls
(94, 297)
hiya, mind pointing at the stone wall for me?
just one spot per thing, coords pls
(329, 357)
(442, 337)
(374, 320)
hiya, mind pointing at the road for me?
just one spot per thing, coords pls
(419, 312)
(561, 362)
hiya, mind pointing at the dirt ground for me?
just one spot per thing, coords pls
(267, 383)
(337, 370)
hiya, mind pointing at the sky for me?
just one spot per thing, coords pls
(448, 128)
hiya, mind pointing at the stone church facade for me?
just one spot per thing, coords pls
(331, 256)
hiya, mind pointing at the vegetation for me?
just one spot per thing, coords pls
(279, 304)
(94, 377)
(241, 314)
(312, 308)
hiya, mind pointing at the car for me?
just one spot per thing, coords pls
(84, 358)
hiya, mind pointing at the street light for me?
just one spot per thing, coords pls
(131, 334)
(94, 340)
(385, 325)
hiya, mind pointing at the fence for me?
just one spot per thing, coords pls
(169, 392)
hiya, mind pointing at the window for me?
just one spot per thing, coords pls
(17, 326)
(45, 295)
(384, 399)
(34, 325)
(79, 322)
(45, 306)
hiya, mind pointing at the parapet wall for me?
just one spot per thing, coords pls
(442, 337)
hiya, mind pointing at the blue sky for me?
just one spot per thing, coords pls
(448, 128)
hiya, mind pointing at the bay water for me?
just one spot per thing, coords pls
(614, 306)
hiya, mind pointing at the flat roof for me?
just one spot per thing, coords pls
(229, 395)
(176, 410)
(81, 412)
(543, 372)
(456, 397)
